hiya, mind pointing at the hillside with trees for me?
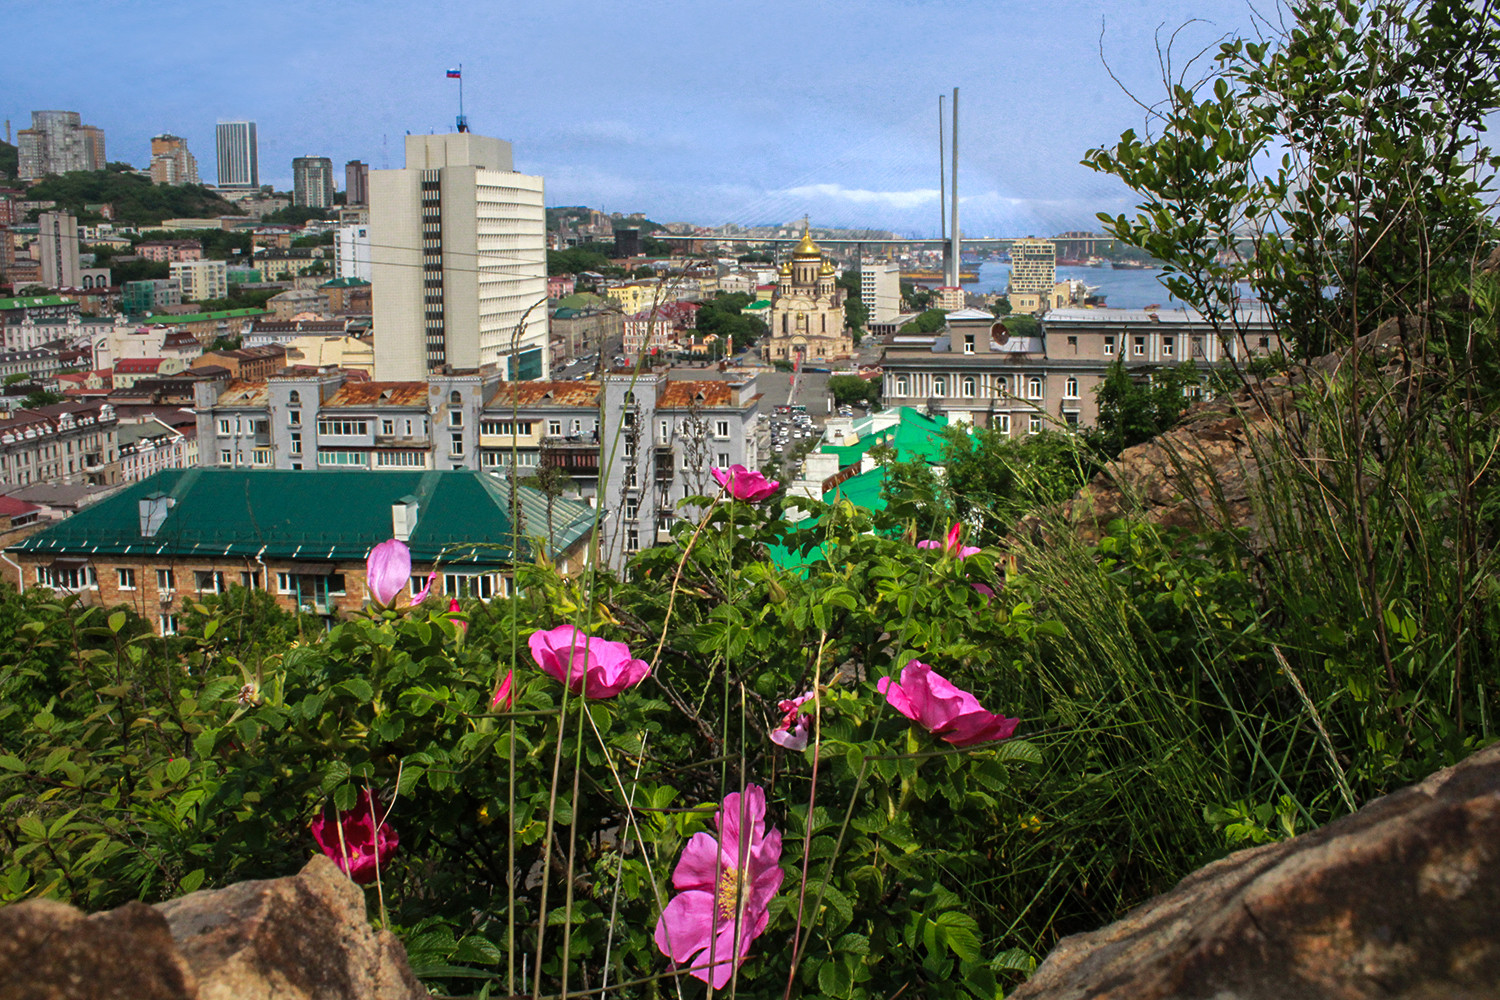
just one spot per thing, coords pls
(134, 197)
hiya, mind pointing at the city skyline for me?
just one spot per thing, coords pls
(681, 113)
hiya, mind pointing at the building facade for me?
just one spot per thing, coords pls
(312, 181)
(1033, 269)
(356, 183)
(974, 371)
(57, 242)
(201, 280)
(458, 261)
(71, 443)
(238, 156)
(58, 142)
(351, 252)
(807, 309)
(171, 163)
(880, 289)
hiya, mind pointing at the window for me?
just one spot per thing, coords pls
(632, 509)
(59, 578)
(632, 540)
(208, 582)
(399, 459)
(344, 428)
(722, 459)
(457, 446)
(554, 428)
(165, 581)
(1070, 388)
(664, 432)
(294, 396)
(1071, 419)
(125, 578)
(455, 418)
(1034, 424)
(901, 384)
(968, 387)
(632, 480)
(721, 429)
(387, 427)
(260, 456)
(250, 579)
(296, 444)
(1264, 343)
(1034, 387)
(1002, 423)
(576, 427)
(294, 418)
(223, 427)
(1073, 343)
(480, 585)
(226, 457)
(168, 624)
(1109, 346)
(1138, 346)
(506, 428)
(968, 343)
(454, 399)
(336, 583)
(939, 386)
(1168, 346)
(341, 458)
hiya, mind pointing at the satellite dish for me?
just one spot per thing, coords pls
(999, 332)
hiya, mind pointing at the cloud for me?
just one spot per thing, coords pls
(859, 196)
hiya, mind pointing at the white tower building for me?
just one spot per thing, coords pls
(880, 289)
(238, 156)
(458, 260)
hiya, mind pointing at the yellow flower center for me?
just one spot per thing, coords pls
(729, 893)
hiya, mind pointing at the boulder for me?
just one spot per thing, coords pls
(1400, 900)
(304, 937)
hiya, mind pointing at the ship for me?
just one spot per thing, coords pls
(925, 275)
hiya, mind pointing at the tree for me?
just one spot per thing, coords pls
(915, 296)
(930, 321)
(1348, 154)
(296, 215)
(42, 397)
(1136, 409)
(1022, 326)
(850, 389)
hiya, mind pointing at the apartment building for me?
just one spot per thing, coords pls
(58, 143)
(238, 156)
(312, 181)
(171, 163)
(637, 443)
(73, 443)
(880, 289)
(169, 250)
(973, 370)
(201, 280)
(182, 535)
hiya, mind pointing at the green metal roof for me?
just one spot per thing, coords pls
(34, 301)
(201, 317)
(915, 436)
(344, 283)
(319, 515)
(579, 300)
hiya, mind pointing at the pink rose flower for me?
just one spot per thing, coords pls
(366, 844)
(387, 572)
(504, 696)
(950, 545)
(724, 885)
(927, 698)
(454, 609)
(743, 484)
(792, 732)
(590, 666)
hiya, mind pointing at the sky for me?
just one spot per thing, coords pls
(705, 112)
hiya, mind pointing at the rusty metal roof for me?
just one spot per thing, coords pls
(242, 393)
(544, 393)
(380, 394)
(682, 395)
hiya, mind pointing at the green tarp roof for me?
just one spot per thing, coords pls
(915, 436)
(322, 515)
(201, 317)
(34, 301)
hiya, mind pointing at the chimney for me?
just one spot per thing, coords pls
(154, 508)
(404, 518)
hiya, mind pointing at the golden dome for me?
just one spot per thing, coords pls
(786, 268)
(827, 268)
(807, 248)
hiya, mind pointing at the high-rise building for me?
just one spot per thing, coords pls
(458, 261)
(312, 181)
(56, 143)
(351, 252)
(171, 163)
(239, 161)
(356, 183)
(57, 238)
(1033, 265)
(201, 280)
(880, 289)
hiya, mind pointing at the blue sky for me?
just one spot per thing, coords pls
(704, 112)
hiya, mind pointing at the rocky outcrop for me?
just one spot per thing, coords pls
(299, 938)
(1399, 901)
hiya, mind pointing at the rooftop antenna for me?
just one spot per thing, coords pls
(385, 153)
(953, 256)
(458, 74)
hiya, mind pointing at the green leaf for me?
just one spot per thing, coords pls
(1020, 750)
(833, 978)
(177, 769)
(117, 621)
(335, 773)
(960, 933)
(191, 881)
(12, 763)
(31, 828)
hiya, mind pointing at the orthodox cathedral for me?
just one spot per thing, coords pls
(807, 309)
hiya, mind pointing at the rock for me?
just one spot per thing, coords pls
(50, 951)
(1399, 901)
(299, 938)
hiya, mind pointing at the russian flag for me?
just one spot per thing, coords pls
(454, 74)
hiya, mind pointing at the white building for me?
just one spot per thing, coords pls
(880, 289)
(351, 249)
(201, 279)
(458, 261)
(57, 238)
(239, 160)
(57, 143)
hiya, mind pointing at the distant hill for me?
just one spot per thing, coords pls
(135, 198)
(10, 161)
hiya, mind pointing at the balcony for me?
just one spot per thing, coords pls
(665, 462)
(572, 455)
